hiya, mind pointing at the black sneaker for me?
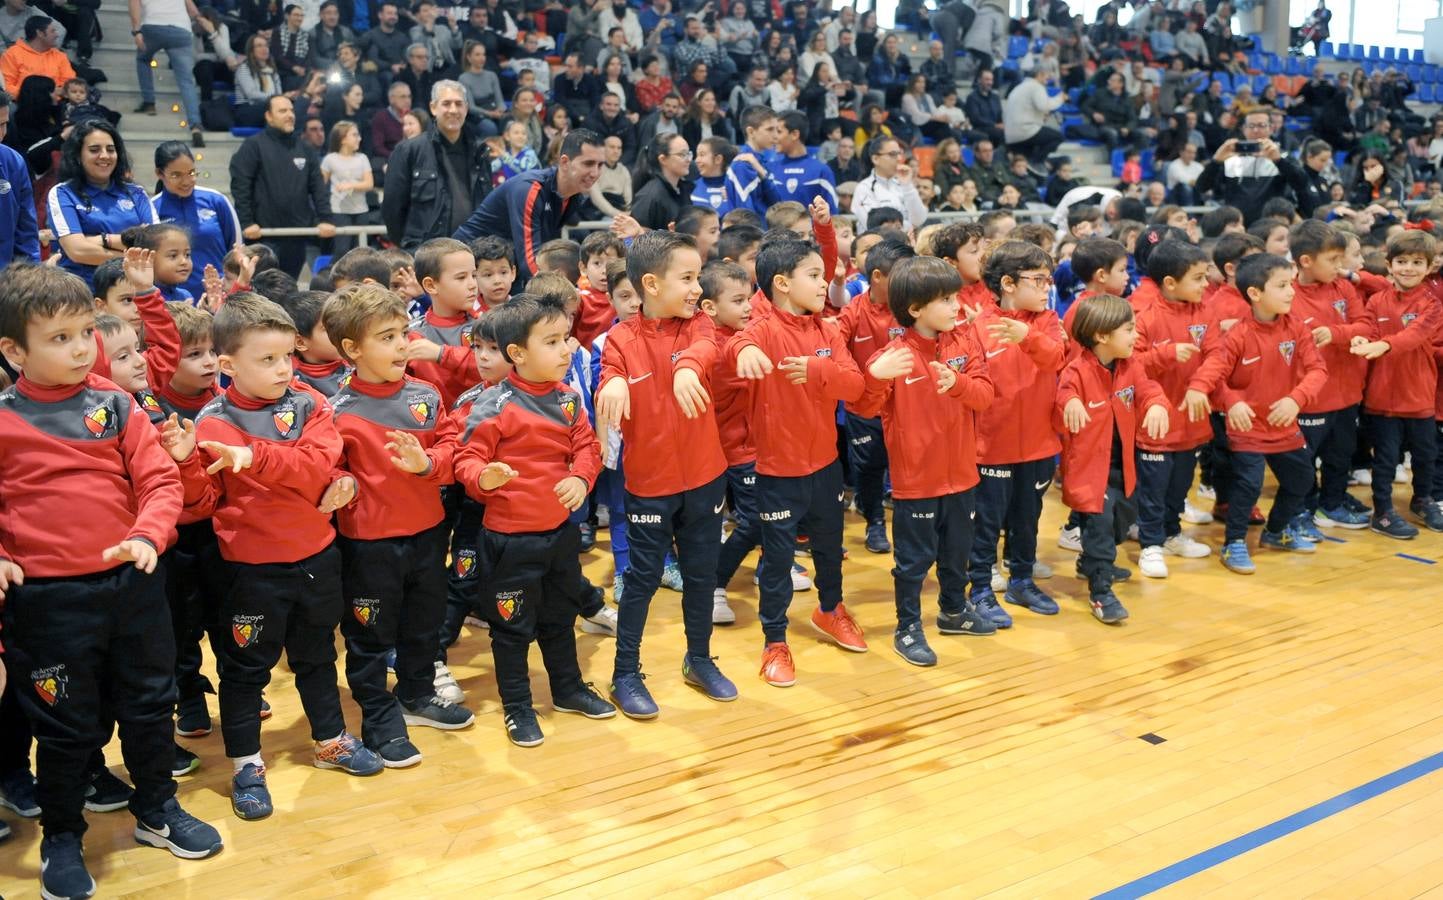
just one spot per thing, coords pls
(174, 829)
(1119, 574)
(588, 536)
(63, 875)
(910, 643)
(249, 797)
(970, 620)
(17, 793)
(192, 718)
(1025, 592)
(106, 793)
(197, 139)
(398, 753)
(521, 726)
(1429, 512)
(877, 538)
(1392, 525)
(1356, 505)
(146, 108)
(185, 762)
(433, 712)
(1106, 608)
(586, 701)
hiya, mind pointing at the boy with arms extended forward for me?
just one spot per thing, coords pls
(927, 385)
(801, 369)
(1268, 368)
(85, 620)
(528, 453)
(655, 371)
(398, 443)
(275, 446)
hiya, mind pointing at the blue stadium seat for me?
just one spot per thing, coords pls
(1325, 50)
(1374, 52)
(1118, 157)
(1149, 163)
(1016, 47)
(1224, 79)
(1418, 56)
(1260, 82)
(967, 157)
(1297, 65)
(1273, 65)
(242, 131)
(1427, 93)
(321, 262)
(1390, 53)
(1340, 158)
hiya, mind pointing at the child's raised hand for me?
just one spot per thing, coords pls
(894, 362)
(138, 552)
(227, 457)
(1074, 415)
(340, 492)
(495, 475)
(571, 491)
(1008, 331)
(1283, 412)
(424, 351)
(1322, 336)
(248, 263)
(1240, 417)
(214, 295)
(752, 363)
(403, 282)
(795, 368)
(1185, 352)
(139, 267)
(624, 226)
(177, 436)
(690, 395)
(1155, 422)
(821, 211)
(946, 376)
(10, 574)
(613, 403)
(1196, 404)
(407, 454)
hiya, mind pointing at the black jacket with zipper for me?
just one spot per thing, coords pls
(417, 204)
(272, 176)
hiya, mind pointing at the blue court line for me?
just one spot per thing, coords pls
(1268, 833)
(1422, 559)
(1329, 537)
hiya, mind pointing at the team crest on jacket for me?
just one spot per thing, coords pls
(284, 418)
(100, 421)
(1407, 318)
(467, 339)
(51, 684)
(421, 409)
(894, 333)
(366, 610)
(508, 605)
(246, 629)
(1286, 348)
(148, 403)
(568, 408)
(300, 163)
(465, 563)
(1340, 306)
(1197, 332)
(957, 363)
(824, 351)
(1125, 395)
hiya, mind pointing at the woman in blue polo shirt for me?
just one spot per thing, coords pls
(95, 200)
(208, 215)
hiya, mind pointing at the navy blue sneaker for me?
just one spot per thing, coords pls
(1356, 505)
(1119, 575)
(106, 793)
(630, 694)
(970, 620)
(910, 643)
(986, 602)
(17, 793)
(348, 754)
(391, 660)
(1107, 609)
(185, 762)
(521, 726)
(1341, 517)
(702, 672)
(174, 829)
(1427, 511)
(1393, 525)
(877, 538)
(1025, 592)
(1304, 527)
(63, 875)
(583, 701)
(249, 797)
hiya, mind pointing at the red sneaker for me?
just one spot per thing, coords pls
(777, 668)
(1256, 517)
(840, 627)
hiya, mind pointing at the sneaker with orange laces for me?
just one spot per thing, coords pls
(840, 627)
(777, 667)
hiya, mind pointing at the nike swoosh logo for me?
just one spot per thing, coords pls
(1382, 318)
(992, 353)
(1249, 360)
(1043, 485)
(1162, 342)
(861, 338)
(918, 378)
(630, 380)
(1094, 404)
(718, 509)
(839, 497)
(160, 832)
(1307, 320)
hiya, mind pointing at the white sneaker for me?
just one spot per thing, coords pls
(446, 686)
(721, 611)
(1360, 476)
(474, 622)
(603, 516)
(1070, 539)
(801, 581)
(1194, 516)
(604, 622)
(1400, 475)
(999, 581)
(1132, 532)
(1186, 547)
(1151, 563)
(1206, 492)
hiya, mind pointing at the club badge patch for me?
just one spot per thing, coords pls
(366, 610)
(465, 563)
(1197, 333)
(284, 418)
(894, 333)
(1407, 318)
(957, 363)
(421, 409)
(1286, 348)
(508, 605)
(100, 421)
(148, 403)
(51, 684)
(246, 630)
(568, 408)
(1340, 306)
(1125, 395)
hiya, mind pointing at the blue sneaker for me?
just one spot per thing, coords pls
(1288, 539)
(985, 600)
(1304, 527)
(348, 754)
(631, 696)
(63, 875)
(970, 620)
(1236, 558)
(1392, 525)
(910, 643)
(174, 829)
(391, 660)
(1026, 593)
(584, 701)
(702, 672)
(1107, 609)
(1341, 517)
(671, 577)
(250, 799)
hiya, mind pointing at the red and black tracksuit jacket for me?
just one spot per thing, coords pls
(1337, 307)
(456, 370)
(162, 355)
(1018, 426)
(1403, 383)
(1113, 398)
(867, 327)
(1160, 329)
(730, 400)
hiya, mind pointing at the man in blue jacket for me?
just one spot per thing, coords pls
(19, 234)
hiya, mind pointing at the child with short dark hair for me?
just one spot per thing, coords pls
(1101, 265)
(1267, 369)
(740, 244)
(318, 361)
(595, 316)
(927, 384)
(446, 269)
(1098, 398)
(655, 371)
(749, 185)
(495, 270)
(960, 245)
(1227, 301)
(560, 255)
(360, 264)
(1083, 220)
(171, 245)
(702, 224)
(113, 294)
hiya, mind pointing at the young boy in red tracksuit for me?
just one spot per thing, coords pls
(960, 245)
(528, 453)
(927, 386)
(1172, 335)
(318, 361)
(824, 235)
(440, 355)
(86, 624)
(655, 373)
(800, 369)
(1266, 370)
(276, 449)
(867, 325)
(1098, 398)
(1329, 305)
(398, 442)
(1024, 349)
(1403, 323)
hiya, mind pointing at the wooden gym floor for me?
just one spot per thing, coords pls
(1015, 768)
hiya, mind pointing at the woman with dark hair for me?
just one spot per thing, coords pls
(662, 190)
(1373, 184)
(208, 215)
(291, 48)
(215, 61)
(704, 119)
(695, 80)
(95, 200)
(256, 81)
(37, 128)
(823, 98)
